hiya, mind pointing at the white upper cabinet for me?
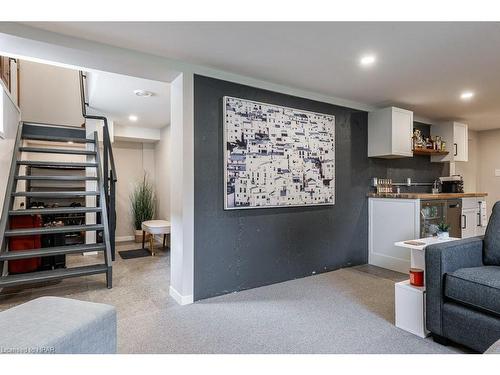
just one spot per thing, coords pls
(456, 136)
(461, 144)
(390, 132)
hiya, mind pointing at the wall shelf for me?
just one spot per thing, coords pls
(426, 151)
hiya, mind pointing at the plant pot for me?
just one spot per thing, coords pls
(443, 235)
(138, 236)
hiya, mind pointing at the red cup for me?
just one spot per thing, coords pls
(416, 277)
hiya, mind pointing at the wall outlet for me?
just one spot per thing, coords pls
(497, 172)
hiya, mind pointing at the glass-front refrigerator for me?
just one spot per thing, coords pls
(432, 212)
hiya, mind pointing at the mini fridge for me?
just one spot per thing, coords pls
(435, 211)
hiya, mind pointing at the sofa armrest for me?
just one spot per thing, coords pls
(441, 259)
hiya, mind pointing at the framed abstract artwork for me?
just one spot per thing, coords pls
(277, 156)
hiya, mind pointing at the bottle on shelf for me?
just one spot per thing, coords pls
(428, 144)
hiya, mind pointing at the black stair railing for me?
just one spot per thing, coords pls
(8, 202)
(109, 170)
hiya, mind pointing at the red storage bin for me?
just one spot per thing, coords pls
(20, 243)
(416, 276)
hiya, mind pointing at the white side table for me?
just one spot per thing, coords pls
(417, 255)
(409, 300)
(155, 227)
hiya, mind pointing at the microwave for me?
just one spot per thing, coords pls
(452, 184)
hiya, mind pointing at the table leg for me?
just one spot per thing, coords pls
(164, 239)
(152, 244)
(143, 239)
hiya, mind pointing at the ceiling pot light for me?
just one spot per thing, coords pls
(70, 142)
(367, 60)
(133, 118)
(143, 93)
(466, 95)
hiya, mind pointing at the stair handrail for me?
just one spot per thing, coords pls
(109, 174)
(106, 137)
(108, 254)
(9, 189)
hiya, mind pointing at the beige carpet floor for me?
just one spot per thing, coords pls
(345, 311)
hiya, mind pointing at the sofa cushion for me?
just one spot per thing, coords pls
(491, 255)
(57, 325)
(478, 287)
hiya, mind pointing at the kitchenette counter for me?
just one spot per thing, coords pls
(426, 195)
(400, 217)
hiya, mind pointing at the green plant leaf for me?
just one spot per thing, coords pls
(443, 227)
(143, 202)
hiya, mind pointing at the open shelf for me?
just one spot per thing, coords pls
(426, 151)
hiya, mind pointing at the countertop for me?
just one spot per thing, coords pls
(427, 195)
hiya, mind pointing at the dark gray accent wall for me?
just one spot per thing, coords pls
(242, 249)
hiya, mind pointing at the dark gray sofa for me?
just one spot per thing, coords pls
(463, 288)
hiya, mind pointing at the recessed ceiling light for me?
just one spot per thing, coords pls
(466, 95)
(143, 93)
(133, 118)
(70, 142)
(368, 60)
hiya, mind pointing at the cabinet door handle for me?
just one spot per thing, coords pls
(456, 149)
(478, 219)
(464, 221)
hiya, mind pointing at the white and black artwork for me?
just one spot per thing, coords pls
(277, 156)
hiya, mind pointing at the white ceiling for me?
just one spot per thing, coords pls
(113, 95)
(421, 66)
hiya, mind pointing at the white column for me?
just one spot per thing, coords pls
(182, 189)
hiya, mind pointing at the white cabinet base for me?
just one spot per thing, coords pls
(410, 308)
(391, 220)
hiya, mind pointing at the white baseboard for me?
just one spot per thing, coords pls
(124, 238)
(179, 298)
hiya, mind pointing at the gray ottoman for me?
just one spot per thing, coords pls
(493, 349)
(58, 325)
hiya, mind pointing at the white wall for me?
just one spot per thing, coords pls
(136, 133)
(162, 173)
(10, 117)
(484, 160)
(49, 94)
(489, 156)
(132, 159)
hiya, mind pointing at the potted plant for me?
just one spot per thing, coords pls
(143, 204)
(443, 232)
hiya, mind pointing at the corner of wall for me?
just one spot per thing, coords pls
(182, 191)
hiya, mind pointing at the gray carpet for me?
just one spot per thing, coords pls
(345, 311)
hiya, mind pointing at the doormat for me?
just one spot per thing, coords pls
(132, 254)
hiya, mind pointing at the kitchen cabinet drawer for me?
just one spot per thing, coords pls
(470, 204)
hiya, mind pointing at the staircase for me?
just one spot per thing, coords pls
(53, 135)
